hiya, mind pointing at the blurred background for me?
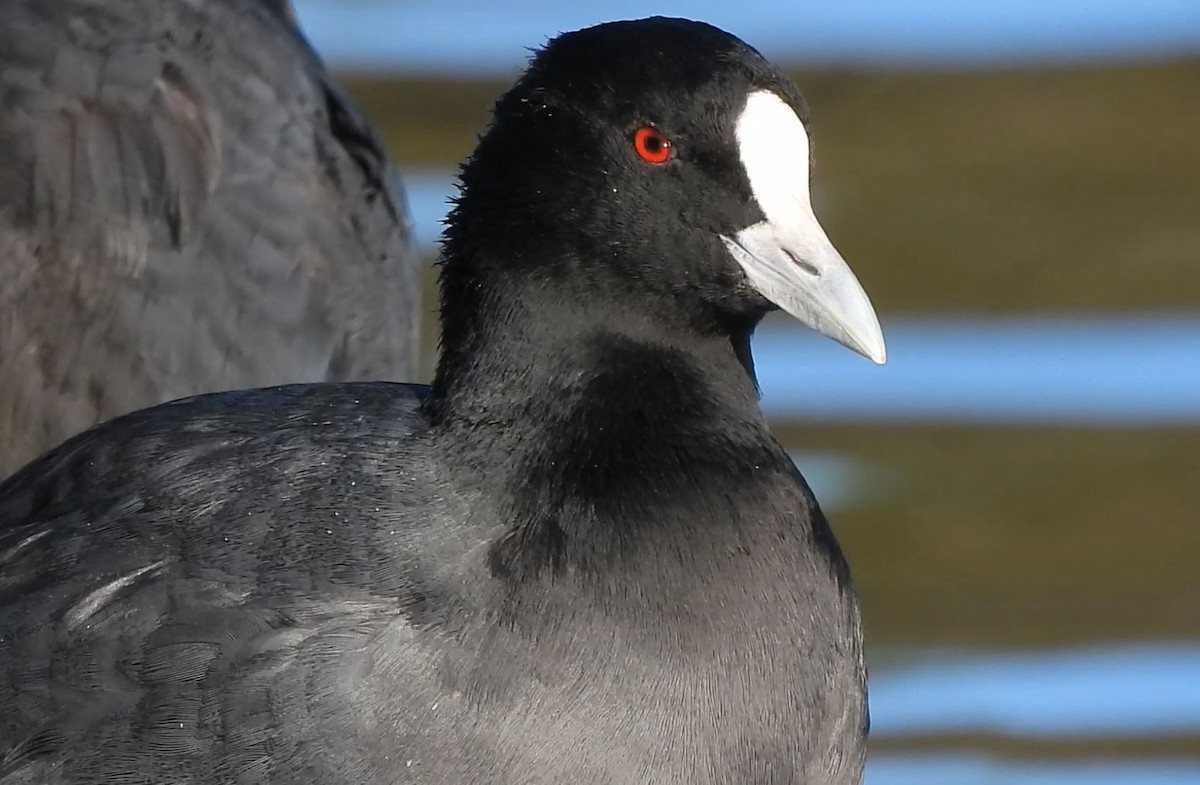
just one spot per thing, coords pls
(1017, 186)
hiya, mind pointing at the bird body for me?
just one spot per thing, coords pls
(578, 556)
(366, 601)
(187, 204)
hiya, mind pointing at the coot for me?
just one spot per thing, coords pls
(187, 204)
(579, 556)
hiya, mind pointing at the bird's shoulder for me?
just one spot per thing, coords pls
(187, 577)
(234, 446)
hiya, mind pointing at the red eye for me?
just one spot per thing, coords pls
(651, 144)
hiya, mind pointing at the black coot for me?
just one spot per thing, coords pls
(187, 204)
(580, 556)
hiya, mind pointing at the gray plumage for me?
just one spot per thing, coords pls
(187, 204)
(579, 556)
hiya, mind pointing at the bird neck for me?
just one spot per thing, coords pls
(577, 419)
(530, 356)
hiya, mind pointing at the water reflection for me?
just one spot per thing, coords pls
(472, 36)
(982, 770)
(835, 479)
(427, 191)
(1146, 690)
(1111, 370)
